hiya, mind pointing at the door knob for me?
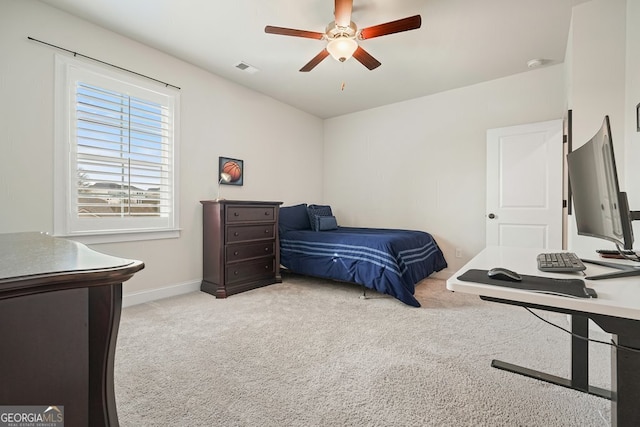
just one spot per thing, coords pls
(491, 216)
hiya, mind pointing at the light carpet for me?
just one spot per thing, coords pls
(311, 352)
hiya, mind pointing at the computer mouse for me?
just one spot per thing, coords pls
(500, 273)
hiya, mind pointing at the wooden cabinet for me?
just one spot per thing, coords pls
(240, 246)
(60, 306)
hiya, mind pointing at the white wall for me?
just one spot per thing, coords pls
(598, 71)
(632, 92)
(420, 164)
(219, 118)
(605, 63)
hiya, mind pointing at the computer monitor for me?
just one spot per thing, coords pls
(600, 208)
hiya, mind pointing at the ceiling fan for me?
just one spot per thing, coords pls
(342, 36)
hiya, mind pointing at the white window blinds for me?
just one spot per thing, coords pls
(120, 133)
(123, 156)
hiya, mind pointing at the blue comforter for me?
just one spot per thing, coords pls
(390, 261)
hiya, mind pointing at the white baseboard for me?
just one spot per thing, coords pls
(156, 294)
(184, 288)
(443, 274)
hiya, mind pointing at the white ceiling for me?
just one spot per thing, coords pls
(461, 42)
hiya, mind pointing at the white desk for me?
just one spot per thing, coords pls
(616, 310)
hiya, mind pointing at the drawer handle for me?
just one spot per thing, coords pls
(236, 214)
(266, 249)
(266, 231)
(235, 253)
(235, 272)
(266, 267)
(267, 213)
(236, 234)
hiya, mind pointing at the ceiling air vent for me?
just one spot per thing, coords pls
(243, 66)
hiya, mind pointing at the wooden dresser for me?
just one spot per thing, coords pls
(241, 250)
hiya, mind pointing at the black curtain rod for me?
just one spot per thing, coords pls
(103, 62)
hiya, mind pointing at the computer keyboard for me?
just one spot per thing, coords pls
(560, 262)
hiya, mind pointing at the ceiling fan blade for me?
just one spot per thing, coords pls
(315, 61)
(405, 24)
(366, 59)
(342, 12)
(291, 32)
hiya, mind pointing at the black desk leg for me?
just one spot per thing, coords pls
(580, 353)
(579, 363)
(625, 377)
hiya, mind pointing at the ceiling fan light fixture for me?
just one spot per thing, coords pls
(342, 48)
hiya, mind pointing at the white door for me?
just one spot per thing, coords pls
(524, 185)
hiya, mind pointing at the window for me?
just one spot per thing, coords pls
(116, 154)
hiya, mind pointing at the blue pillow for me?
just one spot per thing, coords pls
(325, 223)
(293, 218)
(318, 210)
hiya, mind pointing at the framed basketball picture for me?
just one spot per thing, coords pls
(234, 168)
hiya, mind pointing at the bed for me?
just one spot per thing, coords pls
(389, 261)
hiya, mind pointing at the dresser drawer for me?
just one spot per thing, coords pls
(241, 252)
(247, 233)
(250, 213)
(250, 270)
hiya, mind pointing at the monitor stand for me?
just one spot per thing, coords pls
(625, 270)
